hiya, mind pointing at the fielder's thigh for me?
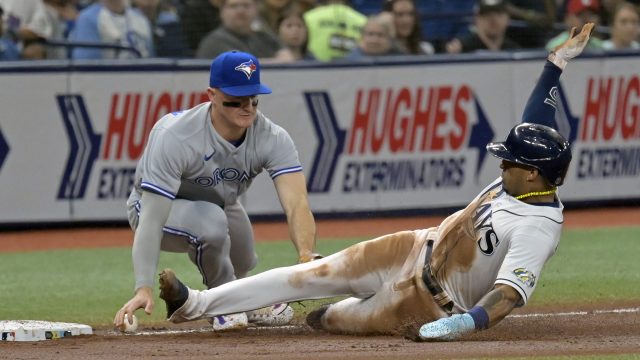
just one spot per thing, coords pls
(203, 226)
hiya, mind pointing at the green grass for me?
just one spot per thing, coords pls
(576, 357)
(89, 286)
(593, 265)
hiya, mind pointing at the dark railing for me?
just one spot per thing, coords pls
(70, 45)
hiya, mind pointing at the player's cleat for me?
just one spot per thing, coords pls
(314, 318)
(172, 291)
(274, 315)
(229, 322)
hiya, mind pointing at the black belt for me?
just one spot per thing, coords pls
(441, 297)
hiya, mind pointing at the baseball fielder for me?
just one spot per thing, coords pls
(440, 283)
(195, 166)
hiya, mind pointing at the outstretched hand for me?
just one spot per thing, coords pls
(572, 47)
(143, 299)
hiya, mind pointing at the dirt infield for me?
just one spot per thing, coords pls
(575, 329)
(587, 333)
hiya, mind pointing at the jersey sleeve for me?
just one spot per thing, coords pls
(283, 156)
(541, 106)
(530, 248)
(163, 163)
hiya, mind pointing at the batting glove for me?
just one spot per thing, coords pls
(450, 328)
(572, 47)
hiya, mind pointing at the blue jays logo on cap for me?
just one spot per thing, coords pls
(247, 68)
(237, 73)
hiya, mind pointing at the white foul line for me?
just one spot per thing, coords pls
(208, 329)
(577, 313)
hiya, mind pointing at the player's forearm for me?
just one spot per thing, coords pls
(302, 230)
(148, 237)
(541, 106)
(499, 303)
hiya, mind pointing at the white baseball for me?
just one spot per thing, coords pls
(130, 328)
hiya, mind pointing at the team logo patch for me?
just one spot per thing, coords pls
(525, 276)
(247, 67)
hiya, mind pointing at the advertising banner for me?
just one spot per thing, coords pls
(372, 138)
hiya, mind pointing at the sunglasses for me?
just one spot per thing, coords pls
(238, 104)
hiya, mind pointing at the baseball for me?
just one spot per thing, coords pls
(129, 328)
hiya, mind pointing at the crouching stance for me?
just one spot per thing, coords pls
(439, 283)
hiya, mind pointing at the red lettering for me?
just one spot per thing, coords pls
(378, 124)
(400, 121)
(163, 106)
(422, 119)
(440, 117)
(460, 118)
(117, 123)
(361, 117)
(631, 112)
(134, 149)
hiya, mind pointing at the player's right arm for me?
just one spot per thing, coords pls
(145, 253)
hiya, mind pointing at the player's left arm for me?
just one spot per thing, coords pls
(540, 108)
(292, 192)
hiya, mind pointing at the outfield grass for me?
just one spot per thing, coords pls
(88, 286)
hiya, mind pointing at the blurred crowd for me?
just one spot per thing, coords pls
(280, 31)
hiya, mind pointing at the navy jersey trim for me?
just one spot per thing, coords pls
(515, 287)
(158, 190)
(541, 216)
(288, 170)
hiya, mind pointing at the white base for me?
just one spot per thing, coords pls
(36, 330)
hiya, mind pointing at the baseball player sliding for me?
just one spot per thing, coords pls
(440, 283)
(195, 166)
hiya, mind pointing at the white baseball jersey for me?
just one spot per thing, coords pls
(514, 240)
(186, 158)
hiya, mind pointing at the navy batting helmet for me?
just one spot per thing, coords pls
(537, 146)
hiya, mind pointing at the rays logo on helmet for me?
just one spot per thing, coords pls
(247, 67)
(526, 276)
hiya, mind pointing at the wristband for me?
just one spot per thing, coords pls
(480, 317)
(557, 60)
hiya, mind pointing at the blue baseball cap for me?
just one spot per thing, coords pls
(237, 74)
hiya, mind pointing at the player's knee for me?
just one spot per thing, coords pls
(209, 222)
(245, 263)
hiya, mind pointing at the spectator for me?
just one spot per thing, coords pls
(334, 29)
(199, 17)
(62, 15)
(112, 22)
(270, 11)
(27, 22)
(377, 39)
(407, 26)
(8, 48)
(236, 33)
(491, 20)
(625, 28)
(168, 39)
(578, 13)
(293, 34)
(610, 6)
(538, 17)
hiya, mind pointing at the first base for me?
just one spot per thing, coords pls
(35, 330)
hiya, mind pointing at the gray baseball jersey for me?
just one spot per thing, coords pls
(186, 158)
